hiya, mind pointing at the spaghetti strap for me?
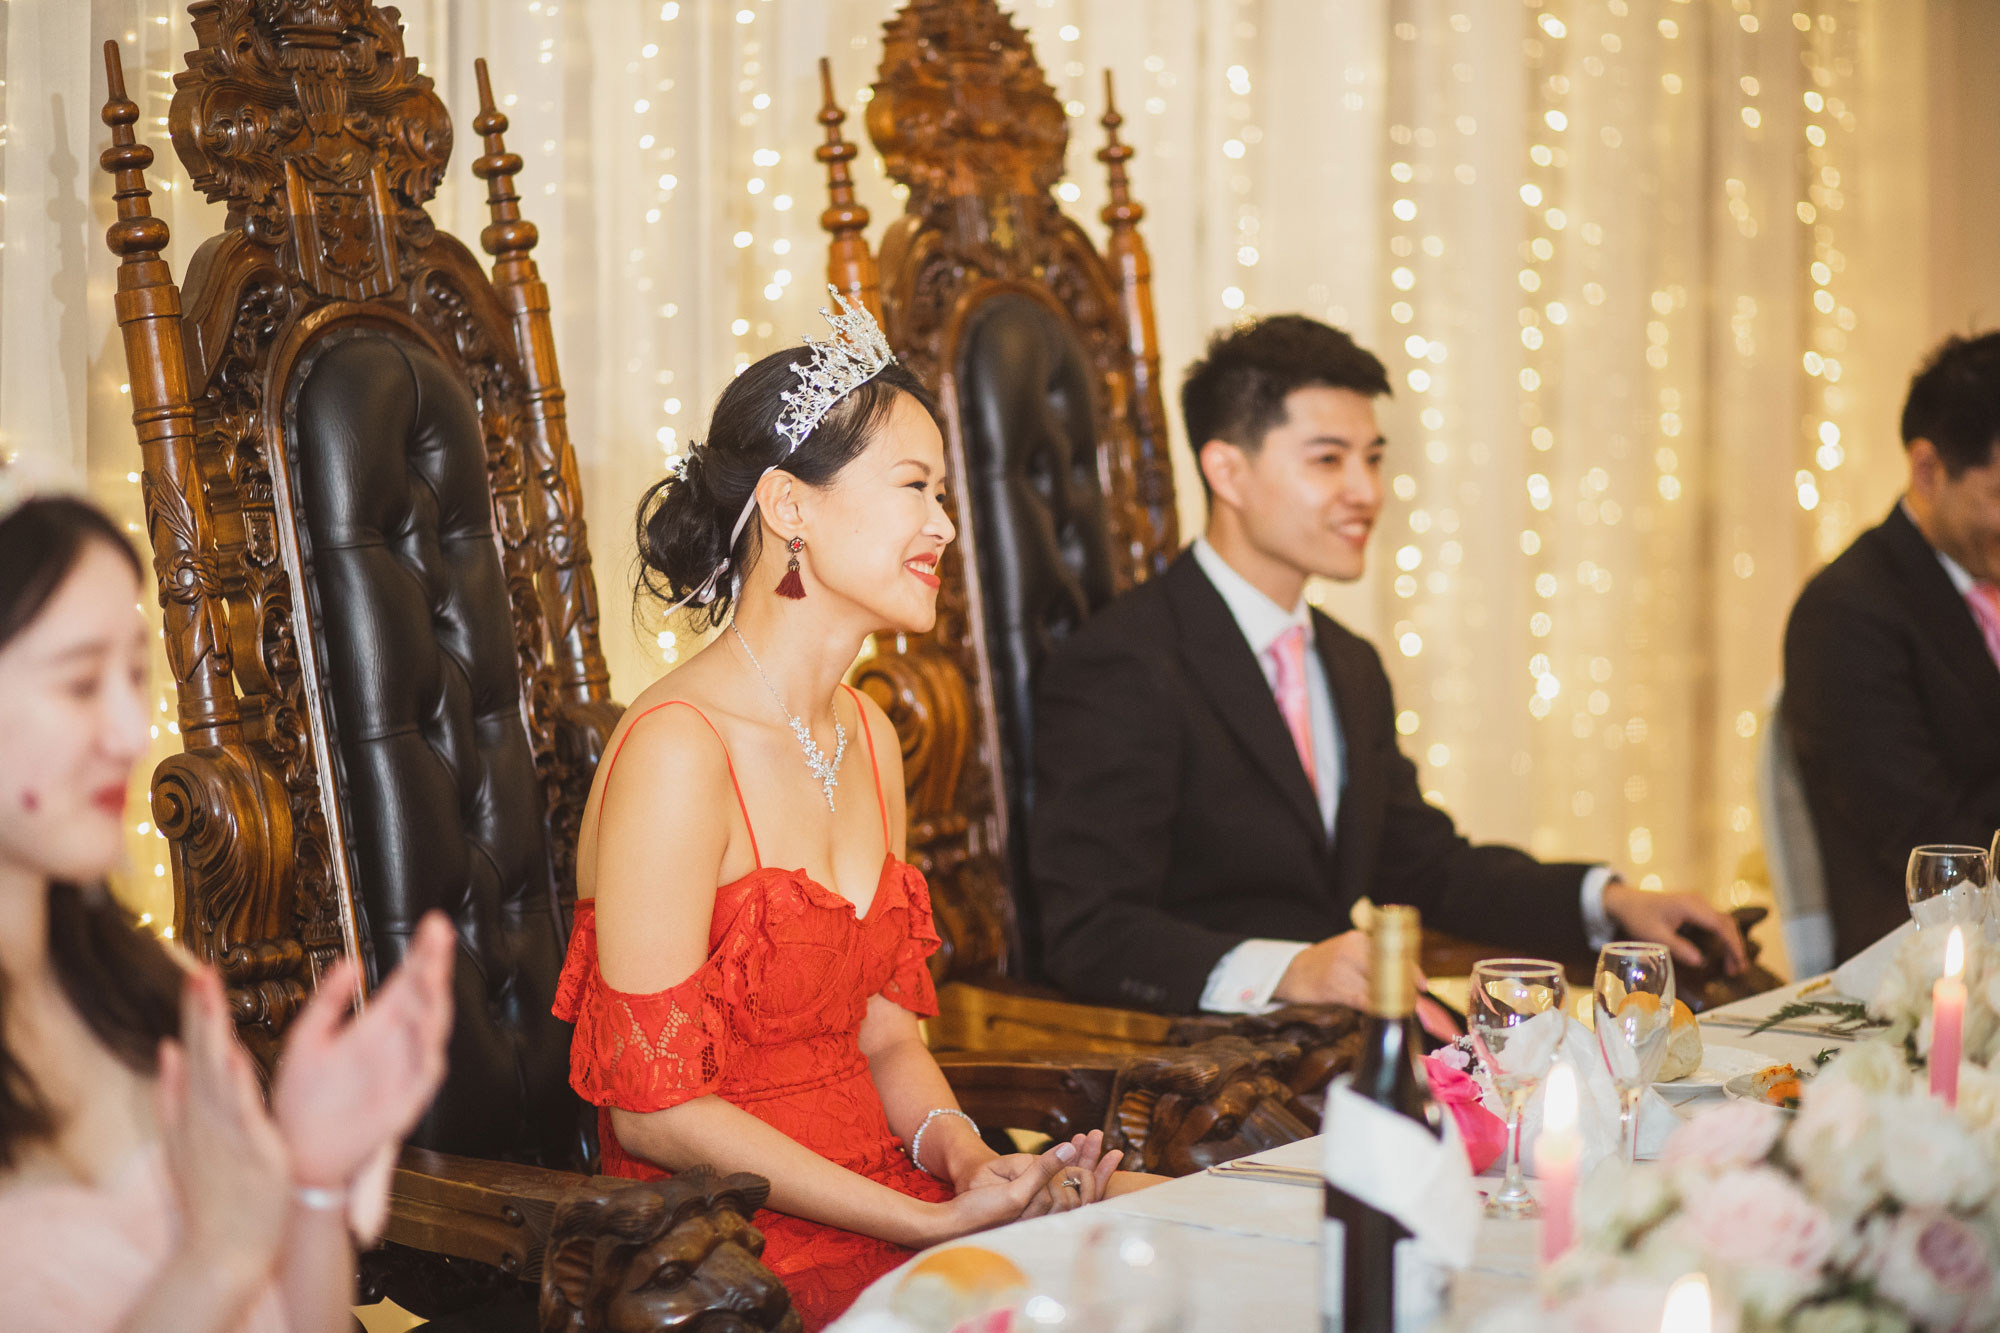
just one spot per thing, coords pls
(874, 770)
(735, 786)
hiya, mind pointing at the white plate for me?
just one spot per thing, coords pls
(1719, 1064)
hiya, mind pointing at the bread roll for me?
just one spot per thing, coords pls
(947, 1287)
(1683, 1046)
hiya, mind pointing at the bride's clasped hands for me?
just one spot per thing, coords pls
(991, 1189)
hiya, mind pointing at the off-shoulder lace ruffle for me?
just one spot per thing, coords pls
(646, 1052)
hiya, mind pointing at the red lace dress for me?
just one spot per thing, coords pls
(771, 1023)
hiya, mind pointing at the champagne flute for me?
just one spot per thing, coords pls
(1946, 885)
(1634, 1000)
(1517, 1022)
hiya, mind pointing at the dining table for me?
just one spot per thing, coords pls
(1238, 1246)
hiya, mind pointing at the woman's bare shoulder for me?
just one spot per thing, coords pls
(666, 772)
(691, 733)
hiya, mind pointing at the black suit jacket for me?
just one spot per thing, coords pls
(1173, 820)
(1892, 703)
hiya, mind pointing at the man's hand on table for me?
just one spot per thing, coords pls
(1642, 914)
(1335, 971)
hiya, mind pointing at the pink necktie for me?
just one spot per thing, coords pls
(1288, 682)
(1985, 601)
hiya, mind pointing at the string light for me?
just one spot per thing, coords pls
(1827, 127)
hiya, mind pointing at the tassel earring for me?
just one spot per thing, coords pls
(791, 585)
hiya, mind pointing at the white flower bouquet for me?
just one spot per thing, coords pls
(1903, 999)
(1875, 1209)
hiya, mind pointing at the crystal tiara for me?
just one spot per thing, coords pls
(855, 354)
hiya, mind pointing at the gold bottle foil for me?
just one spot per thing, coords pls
(1394, 937)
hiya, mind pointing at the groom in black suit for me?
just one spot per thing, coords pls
(1217, 773)
(1892, 657)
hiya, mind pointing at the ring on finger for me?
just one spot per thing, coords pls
(1071, 1182)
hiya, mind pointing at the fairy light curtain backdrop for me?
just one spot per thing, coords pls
(1649, 276)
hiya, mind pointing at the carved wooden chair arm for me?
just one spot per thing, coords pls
(1004, 1018)
(497, 1213)
(1054, 1093)
(575, 1238)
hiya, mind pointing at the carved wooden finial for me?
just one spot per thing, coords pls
(508, 236)
(137, 235)
(843, 214)
(850, 263)
(1121, 211)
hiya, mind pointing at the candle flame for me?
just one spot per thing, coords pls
(1954, 953)
(1687, 1306)
(1559, 1113)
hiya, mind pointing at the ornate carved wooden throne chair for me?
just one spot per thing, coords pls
(379, 610)
(381, 621)
(1043, 353)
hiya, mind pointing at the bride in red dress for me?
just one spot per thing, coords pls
(747, 968)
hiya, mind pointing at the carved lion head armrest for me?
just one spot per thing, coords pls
(1184, 1111)
(652, 1256)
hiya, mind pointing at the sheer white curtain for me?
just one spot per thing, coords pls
(1647, 303)
(1649, 287)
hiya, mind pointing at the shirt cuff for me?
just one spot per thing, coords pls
(1243, 979)
(1598, 926)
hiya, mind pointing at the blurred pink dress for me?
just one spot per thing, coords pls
(80, 1257)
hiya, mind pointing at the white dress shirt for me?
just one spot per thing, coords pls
(1956, 573)
(1242, 980)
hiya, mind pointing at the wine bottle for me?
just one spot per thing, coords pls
(1372, 1273)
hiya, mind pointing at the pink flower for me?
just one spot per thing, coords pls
(1759, 1223)
(1452, 1057)
(1935, 1266)
(1735, 1134)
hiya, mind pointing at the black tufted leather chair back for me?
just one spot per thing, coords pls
(1044, 547)
(420, 680)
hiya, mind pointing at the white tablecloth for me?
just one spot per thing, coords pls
(1250, 1248)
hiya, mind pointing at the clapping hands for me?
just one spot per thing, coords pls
(347, 1090)
(350, 1085)
(225, 1157)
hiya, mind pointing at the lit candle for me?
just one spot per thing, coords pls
(1687, 1306)
(1558, 1151)
(1948, 1020)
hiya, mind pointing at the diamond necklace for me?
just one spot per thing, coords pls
(827, 773)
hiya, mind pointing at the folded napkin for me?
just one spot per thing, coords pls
(1597, 1105)
(1861, 976)
(1393, 1164)
(1483, 1133)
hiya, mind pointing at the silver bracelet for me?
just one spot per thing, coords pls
(917, 1139)
(321, 1200)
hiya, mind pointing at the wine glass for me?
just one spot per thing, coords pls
(1634, 1000)
(1946, 885)
(1517, 1022)
(1130, 1277)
